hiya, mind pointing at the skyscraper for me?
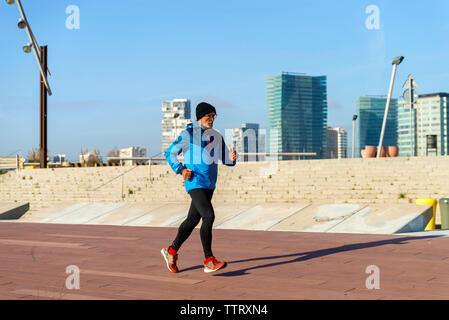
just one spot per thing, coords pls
(175, 117)
(428, 117)
(337, 143)
(249, 139)
(297, 114)
(370, 111)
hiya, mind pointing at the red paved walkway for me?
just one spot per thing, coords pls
(125, 263)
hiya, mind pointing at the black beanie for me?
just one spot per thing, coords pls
(204, 108)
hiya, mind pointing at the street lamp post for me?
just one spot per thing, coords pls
(354, 118)
(43, 113)
(41, 57)
(395, 63)
(176, 116)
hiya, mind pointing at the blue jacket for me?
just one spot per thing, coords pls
(201, 148)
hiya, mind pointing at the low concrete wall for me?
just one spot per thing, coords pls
(301, 217)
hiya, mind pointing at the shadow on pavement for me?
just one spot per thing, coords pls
(303, 256)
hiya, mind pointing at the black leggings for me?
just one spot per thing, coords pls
(200, 207)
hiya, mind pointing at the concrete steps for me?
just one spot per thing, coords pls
(395, 180)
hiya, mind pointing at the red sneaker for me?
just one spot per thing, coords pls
(170, 259)
(211, 264)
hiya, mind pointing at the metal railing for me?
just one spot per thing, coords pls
(109, 181)
(267, 154)
(282, 154)
(122, 175)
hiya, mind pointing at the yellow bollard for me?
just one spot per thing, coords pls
(433, 203)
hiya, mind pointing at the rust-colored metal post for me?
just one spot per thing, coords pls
(43, 110)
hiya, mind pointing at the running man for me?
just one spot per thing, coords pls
(202, 147)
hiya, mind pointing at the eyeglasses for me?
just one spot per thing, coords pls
(211, 116)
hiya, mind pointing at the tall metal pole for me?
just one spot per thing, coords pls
(176, 127)
(353, 137)
(415, 132)
(412, 108)
(412, 131)
(175, 116)
(34, 46)
(393, 74)
(43, 110)
(354, 118)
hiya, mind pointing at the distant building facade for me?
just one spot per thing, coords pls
(428, 117)
(337, 143)
(249, 139)
(370, 111)
(59, 158)
(89, 155)
(133, 152)
(175, 117)
(297, 114)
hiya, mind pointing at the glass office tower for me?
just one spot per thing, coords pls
(370, 111)
(297, 114)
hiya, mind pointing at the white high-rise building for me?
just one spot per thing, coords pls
(427, 121)
(249, 139)
(133, 152)
(337, 143)
(175, 118)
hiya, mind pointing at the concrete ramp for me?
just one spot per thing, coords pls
(318, 217)
(164, 215)
(353, 218)
(298, 217)
(385, 219)
(83, 213)
(225, 212)
(172, 215)
(13, 211)
(262, 216)
(126, 214)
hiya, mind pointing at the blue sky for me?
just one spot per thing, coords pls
(110, 77)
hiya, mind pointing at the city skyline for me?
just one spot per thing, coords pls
(110, 77)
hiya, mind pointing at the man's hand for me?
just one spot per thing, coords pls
(232, 155)
(187, 174)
